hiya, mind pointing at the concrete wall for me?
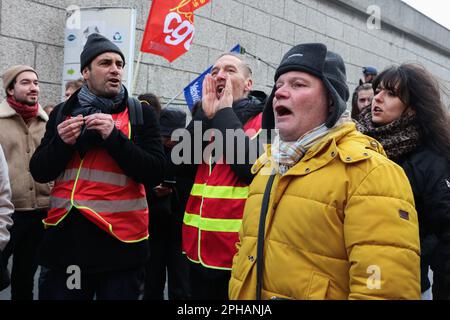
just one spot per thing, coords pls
(32, 31)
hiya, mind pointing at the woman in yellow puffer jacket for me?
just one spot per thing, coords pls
(340, 220)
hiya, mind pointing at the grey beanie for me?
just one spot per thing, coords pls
(315, 59)
(97, 44)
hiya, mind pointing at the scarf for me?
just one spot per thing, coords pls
(89, 103)
(287, 154)
(247, 108)
(106, 105)
(25, 111)
(397, 138)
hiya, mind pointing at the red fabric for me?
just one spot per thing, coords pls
(170, 27)
(127, 226)
(215, 249)
(26, 112)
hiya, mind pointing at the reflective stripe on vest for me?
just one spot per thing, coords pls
(111, 206)
(208, 224)
(95, 176)
(219, 192)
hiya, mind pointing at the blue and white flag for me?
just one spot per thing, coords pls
(193, 91)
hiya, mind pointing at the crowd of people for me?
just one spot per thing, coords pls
(336, 205)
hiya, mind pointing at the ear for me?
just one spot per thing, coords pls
(10, 92)
(248, 85)
(85, 73)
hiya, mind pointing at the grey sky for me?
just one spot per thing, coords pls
(438, 10)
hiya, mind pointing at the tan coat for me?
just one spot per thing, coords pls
(6, 207)
(19, 142)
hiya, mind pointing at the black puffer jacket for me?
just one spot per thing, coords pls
(429, 175)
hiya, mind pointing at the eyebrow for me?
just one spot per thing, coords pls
(110, 60)
(225, 66)
(29, 80)
(295, 79)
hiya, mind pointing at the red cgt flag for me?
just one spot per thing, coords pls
(170, 27)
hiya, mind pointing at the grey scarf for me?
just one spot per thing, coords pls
(106, 105)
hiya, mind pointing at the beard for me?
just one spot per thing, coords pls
(27, 101)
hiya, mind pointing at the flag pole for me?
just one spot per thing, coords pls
(133, 86)
(173, 99)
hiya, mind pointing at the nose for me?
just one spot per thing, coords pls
(378, 96)
(281, 92)
(34, 86)
(114, 68)
(221, 74)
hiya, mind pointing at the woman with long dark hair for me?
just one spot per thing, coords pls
(409, 119)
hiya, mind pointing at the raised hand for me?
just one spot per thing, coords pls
(212, 99)
(101, 122)
(209, 96)
(226, 99)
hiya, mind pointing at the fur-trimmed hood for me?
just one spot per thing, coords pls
(6, 111)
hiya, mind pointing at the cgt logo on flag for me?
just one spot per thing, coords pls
(170, 27)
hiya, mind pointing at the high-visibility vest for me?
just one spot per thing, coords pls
(214, 211)
(102, 192)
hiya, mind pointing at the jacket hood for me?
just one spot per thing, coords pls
(250, 106)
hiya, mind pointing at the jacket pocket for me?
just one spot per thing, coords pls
(318, 287)
(244, 260)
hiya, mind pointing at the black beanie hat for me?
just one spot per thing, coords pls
(97, 44)
(315, 59)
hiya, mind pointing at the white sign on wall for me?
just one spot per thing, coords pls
(116, 24)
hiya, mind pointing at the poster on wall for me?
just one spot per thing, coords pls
(116, 24)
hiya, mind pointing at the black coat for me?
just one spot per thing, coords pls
(76, 240)
(429, 175)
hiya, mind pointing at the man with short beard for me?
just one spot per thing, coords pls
(100, 156)
(22, 123)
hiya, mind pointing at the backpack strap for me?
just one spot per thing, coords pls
(135, 110)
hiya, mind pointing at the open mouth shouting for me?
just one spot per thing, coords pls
(220, 90)
(282, 111)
